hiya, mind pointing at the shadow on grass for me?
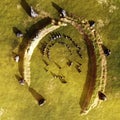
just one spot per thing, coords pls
(30, 34)
(33, 30)
(91, 76)
(16, 30)
(14, 44)
(58, 8)
(26, 7)
(39, 98)
(17, 77)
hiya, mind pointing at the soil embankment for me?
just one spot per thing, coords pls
(88, 88)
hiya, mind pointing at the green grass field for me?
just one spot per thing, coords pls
(62, 100)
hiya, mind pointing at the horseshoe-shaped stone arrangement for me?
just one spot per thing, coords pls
(94, 47)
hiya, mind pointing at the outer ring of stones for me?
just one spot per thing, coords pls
(29, 50)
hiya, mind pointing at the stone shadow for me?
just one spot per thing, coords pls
(57, 7)
(39, 98)
(17, 32)
(33, 30)
(26, 7)
(17, 77)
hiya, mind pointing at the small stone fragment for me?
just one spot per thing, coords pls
(41, 102)
(102, 96)
(17, 58)
(34, 14)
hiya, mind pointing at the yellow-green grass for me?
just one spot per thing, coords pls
(62, 102)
